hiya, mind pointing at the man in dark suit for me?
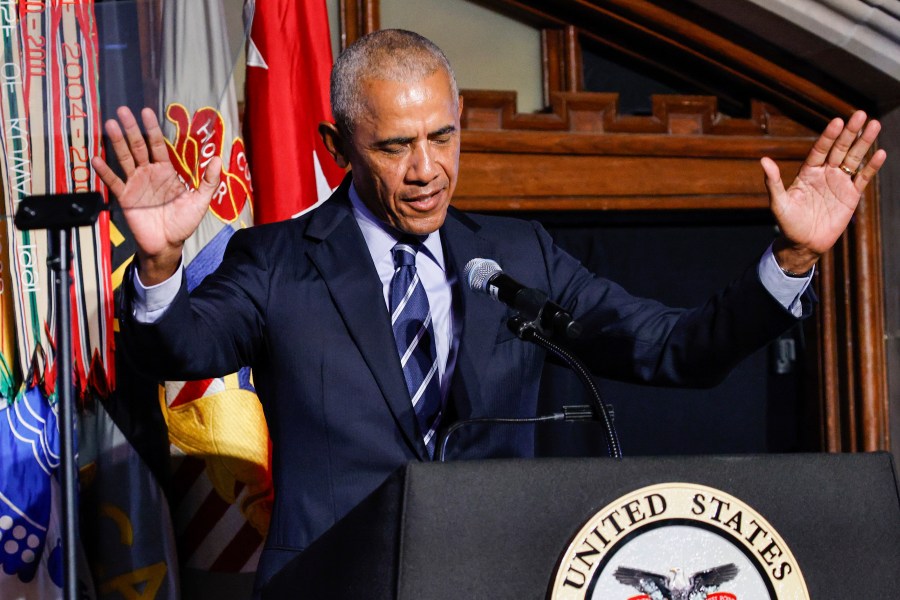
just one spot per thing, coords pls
(319, 306)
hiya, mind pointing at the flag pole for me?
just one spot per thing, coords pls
(60, 214)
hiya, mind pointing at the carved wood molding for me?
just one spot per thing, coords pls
(583, 155)
(581, 112)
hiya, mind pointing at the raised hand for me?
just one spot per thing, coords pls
(160, 209)
(815, 210)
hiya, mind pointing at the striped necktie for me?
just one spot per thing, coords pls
(411, 322)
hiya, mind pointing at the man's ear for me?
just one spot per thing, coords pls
(460, 106)
(334, 143)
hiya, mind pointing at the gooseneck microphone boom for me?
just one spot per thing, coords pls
(486, 276)
(537, 316)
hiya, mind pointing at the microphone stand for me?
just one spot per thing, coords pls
(530, 332)
(60, 214)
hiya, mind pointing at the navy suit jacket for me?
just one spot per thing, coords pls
(301, 303)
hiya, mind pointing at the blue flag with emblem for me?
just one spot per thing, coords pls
(30, 546)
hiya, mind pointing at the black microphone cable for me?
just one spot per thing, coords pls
(569, 413)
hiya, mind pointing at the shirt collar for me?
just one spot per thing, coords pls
(381, 239)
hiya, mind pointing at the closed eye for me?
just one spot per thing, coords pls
(443, 135)
(394, 145)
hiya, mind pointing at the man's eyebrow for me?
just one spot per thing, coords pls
(403, 141)
(443, 131)
(394, 141)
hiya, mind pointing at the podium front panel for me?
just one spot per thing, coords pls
(498, 529)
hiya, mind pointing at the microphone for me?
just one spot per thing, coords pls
(486, 276)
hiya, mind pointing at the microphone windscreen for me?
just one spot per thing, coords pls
(479, 271)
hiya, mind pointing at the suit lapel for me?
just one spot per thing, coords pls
(342, 259)
(479, 314)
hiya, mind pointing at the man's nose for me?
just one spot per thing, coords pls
(422, 166)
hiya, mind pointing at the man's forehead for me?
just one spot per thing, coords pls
(401, 93)
(436, 83)
(398, 104)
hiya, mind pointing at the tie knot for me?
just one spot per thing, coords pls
(405, 253)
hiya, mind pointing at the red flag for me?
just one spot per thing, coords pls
(288, 66)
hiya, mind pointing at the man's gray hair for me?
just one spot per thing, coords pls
(386, 54)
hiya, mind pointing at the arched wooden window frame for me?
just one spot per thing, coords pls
(562, 159)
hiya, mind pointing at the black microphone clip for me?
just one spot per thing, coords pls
(533, 306)
(551, 320)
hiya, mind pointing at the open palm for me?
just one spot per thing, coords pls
(816, 209)
(160, 209)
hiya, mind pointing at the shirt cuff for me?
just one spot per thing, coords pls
(150, 302)
(785, 289)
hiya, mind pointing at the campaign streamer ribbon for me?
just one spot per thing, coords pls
(51, 128)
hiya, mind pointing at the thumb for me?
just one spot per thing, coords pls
(774, 184)
(211, 177)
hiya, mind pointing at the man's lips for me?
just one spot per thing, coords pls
(425, 202)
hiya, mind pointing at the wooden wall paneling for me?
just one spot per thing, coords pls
(865, 275)
(574, 68)
(552, 68)
(561, 57)
(358, 17)
(825, 375)
(149, 15)
(851, 375)
(848, 350)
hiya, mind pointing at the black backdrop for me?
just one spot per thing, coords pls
(680, 259)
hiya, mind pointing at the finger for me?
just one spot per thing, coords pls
(134, 136)
(868, 172)
(848, 135)
(210, 182)
(861, 146)
(120, 147)
(155, 138)
(107, 176)
(823, 145)
(773, 177)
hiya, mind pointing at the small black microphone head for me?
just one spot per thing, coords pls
(479, 271)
